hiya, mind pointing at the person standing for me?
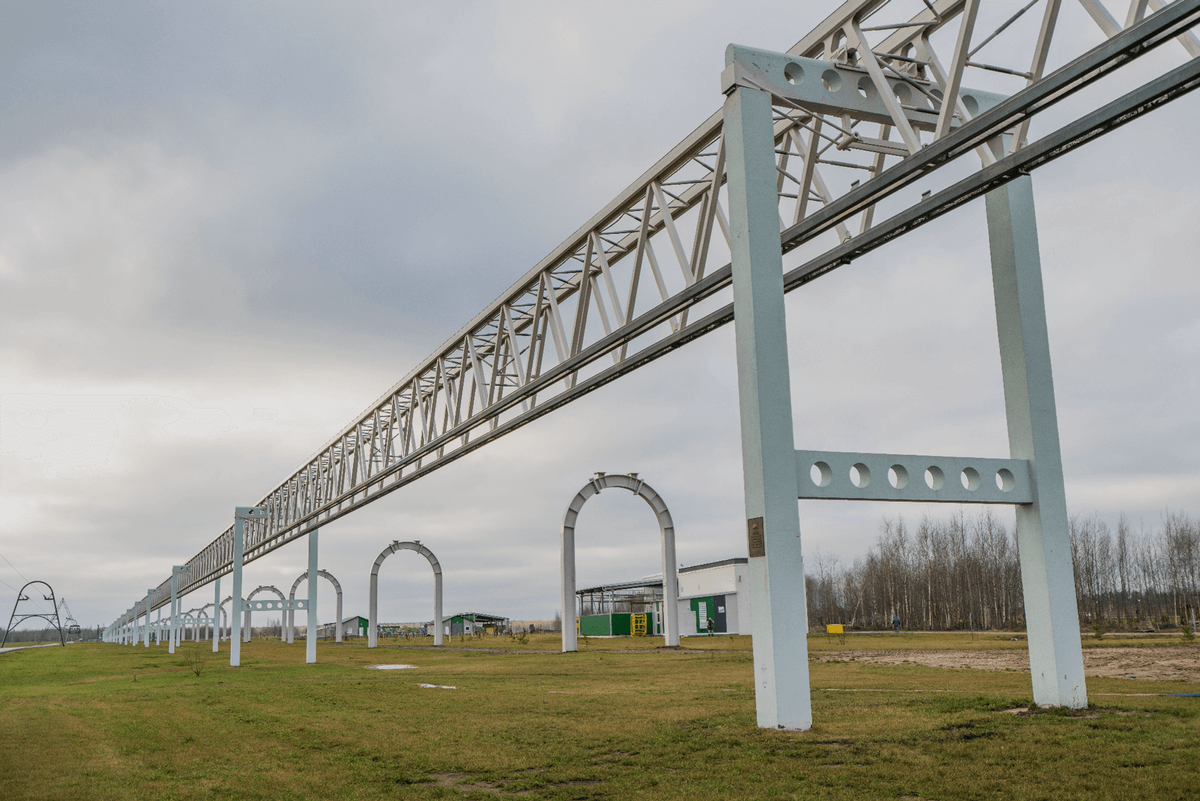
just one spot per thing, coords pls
(896, 623)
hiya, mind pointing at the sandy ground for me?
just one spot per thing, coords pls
(1160, 663)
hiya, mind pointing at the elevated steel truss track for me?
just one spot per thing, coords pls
(662, 244)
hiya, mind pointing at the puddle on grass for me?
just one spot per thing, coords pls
(391, 667)
(437, 686)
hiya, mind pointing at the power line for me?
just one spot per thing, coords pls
(14, 567)
(22, 575)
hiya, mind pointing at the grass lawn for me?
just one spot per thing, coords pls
(621, 719)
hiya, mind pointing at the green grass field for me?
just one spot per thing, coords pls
(621, 719)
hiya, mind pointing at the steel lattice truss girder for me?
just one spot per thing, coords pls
(538, 346)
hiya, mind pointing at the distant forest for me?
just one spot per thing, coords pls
(964, 573)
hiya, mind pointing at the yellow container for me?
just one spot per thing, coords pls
(834, 628)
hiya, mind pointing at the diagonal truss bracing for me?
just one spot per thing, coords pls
(646, 274)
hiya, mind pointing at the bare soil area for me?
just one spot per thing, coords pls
(1163, 663)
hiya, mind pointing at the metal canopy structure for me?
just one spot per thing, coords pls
(650, 271)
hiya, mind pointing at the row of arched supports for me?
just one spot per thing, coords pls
(238, 627)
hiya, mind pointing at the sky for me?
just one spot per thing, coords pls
(225, 230)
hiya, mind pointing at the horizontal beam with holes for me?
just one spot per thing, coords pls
(259, 606)
(827, 87)
(837, 475)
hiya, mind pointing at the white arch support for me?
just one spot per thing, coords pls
(261, 605)
(666, 527)
(373, 623)
(290, 622)
(225, 616)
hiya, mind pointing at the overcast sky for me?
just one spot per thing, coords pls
(227, 229)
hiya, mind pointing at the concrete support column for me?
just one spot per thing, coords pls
(776, 570)
(310, 649)
(174, 616)
(570, 635)
(235, 609)
(149, 600)
(216, 616)
(1052, 618)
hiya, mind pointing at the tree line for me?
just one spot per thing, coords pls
(964, 573)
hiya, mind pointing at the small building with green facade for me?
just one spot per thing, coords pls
(353, 626)
(715, 590)
(471, 623)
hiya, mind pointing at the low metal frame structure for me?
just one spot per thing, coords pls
(250, 605)
(55, 621)
(873, 91)
(666, 529)
(373, 615)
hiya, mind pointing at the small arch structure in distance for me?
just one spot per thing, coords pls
(415, 545)
(666, 528)
(290, 615)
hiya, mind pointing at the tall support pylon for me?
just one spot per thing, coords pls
(216, 626)
(310, 647)
(1031, 480)
(1047, 576)
(150, 593)
(781, 689)
(173, 637)
(241, 515)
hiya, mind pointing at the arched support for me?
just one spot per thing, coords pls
(204, 630)
(290, 621)
(21, 596)
(225, 616)
(250, 597)
(373, 623)
(666, 527)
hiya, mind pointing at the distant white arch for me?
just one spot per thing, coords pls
(187, 624)
(666, 527)
(373, 623)
(225, 616)
(249, 598)
(290, 615)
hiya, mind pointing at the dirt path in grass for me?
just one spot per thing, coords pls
(1163, 663)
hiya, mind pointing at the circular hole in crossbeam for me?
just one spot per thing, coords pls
(971, 104)
(970, 479)
(794, 73)
(1005, 480)
(866, 87)
(898, 476)
(860, 475)
(935, 479)
(831, 80)
(902, 92)
(820, 474)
